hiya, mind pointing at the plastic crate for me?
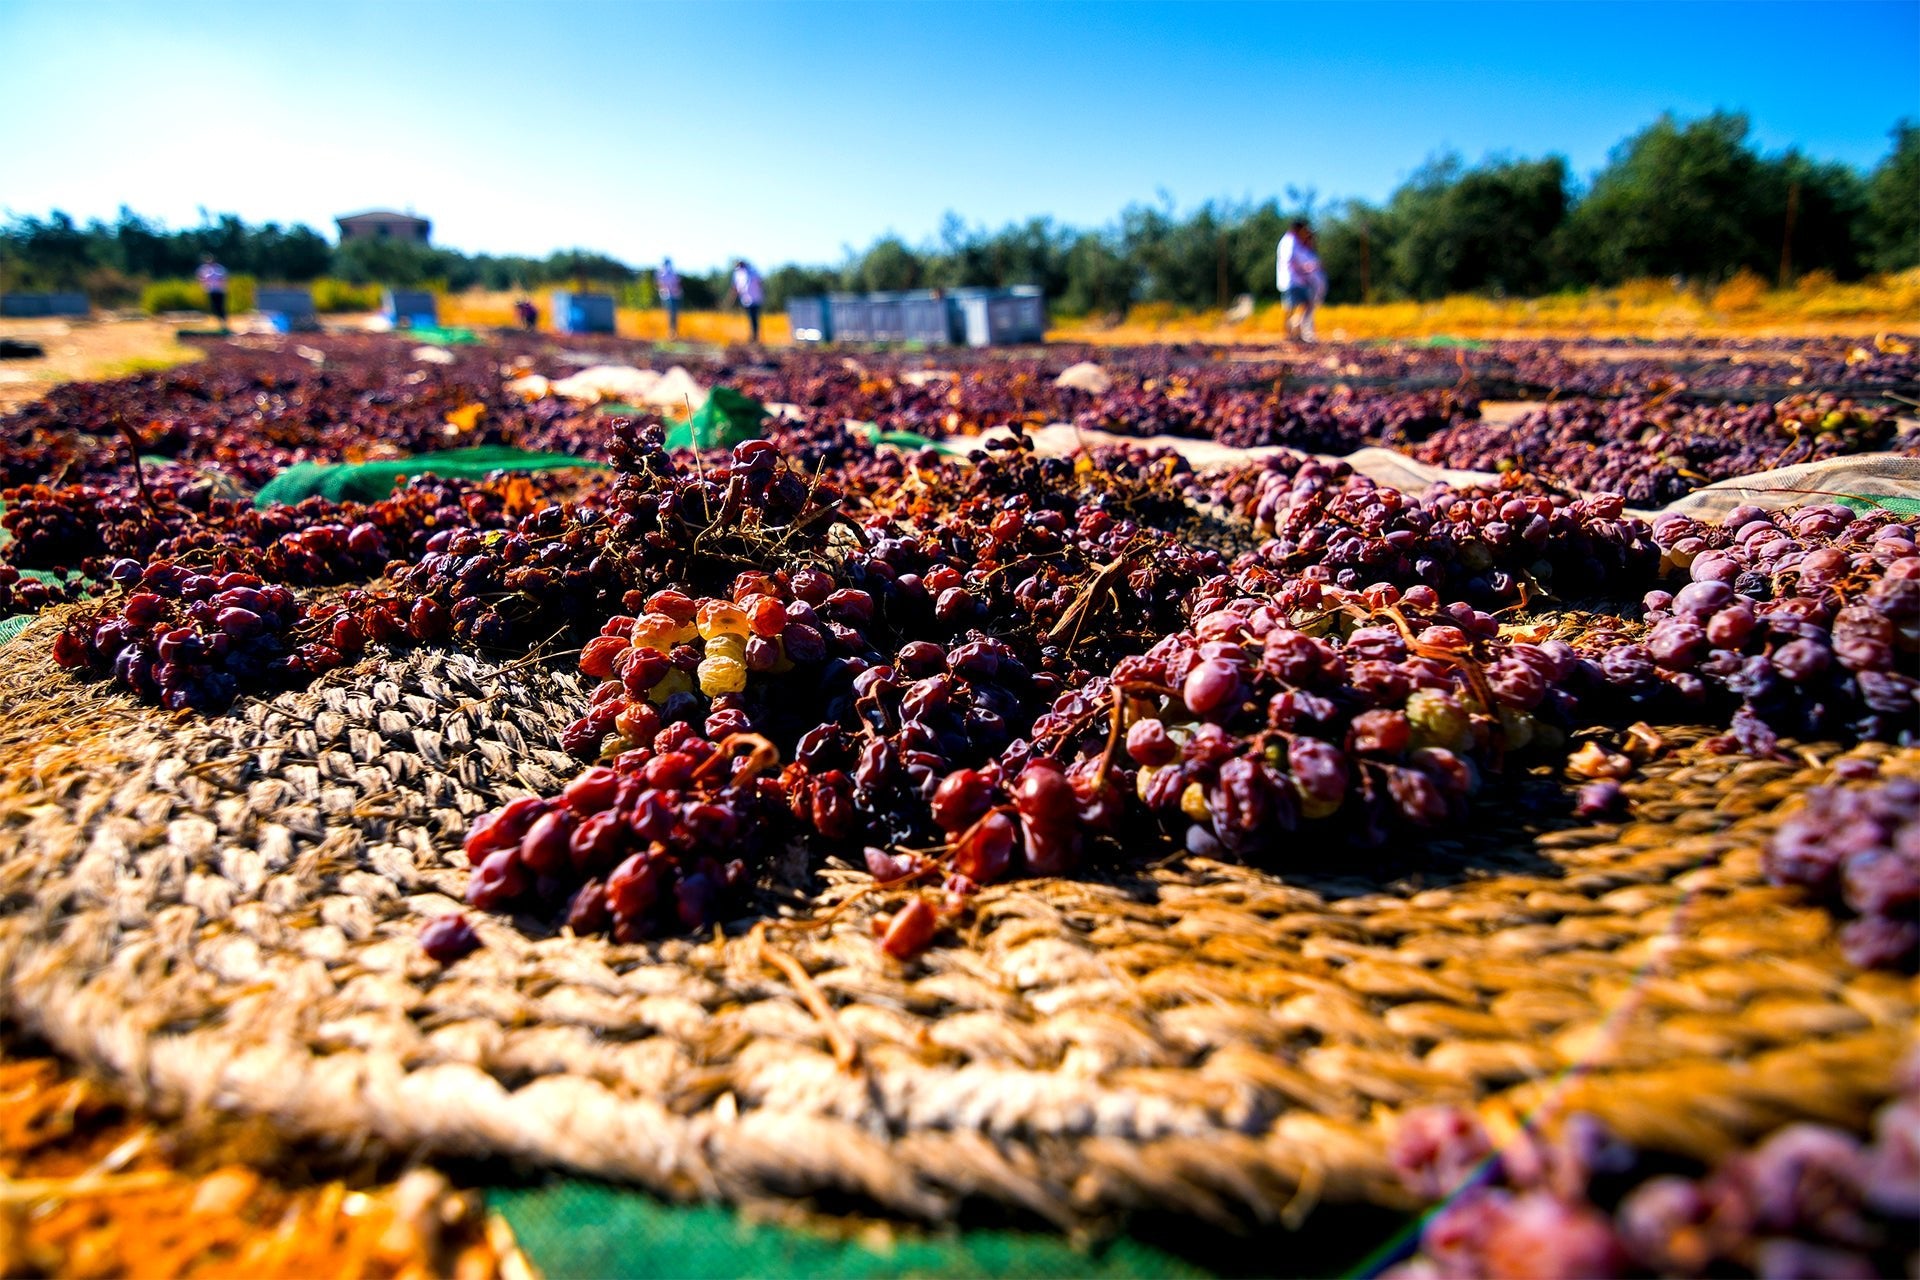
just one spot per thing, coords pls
(289, 309)
(851, 316)
(888, 312)
(810, 319)
(583, 313)
(29, 305)
(413, 308)
(926, 317)
(1001, 317)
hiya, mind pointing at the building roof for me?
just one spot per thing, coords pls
(381, 215)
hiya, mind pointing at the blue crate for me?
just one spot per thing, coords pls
(410, 307)
(582, 313)
(288, 308)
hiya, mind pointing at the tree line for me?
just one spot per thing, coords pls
(1692, 199)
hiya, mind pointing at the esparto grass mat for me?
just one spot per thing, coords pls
(224, 914)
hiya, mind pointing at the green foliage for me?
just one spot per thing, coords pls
(1891, 220)
(331, 296)
(187, 295)
(1493, 228)
(172, 295)
(1693, 199)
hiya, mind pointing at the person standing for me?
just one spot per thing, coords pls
(752, 292)
(1302, 283)
(667, 282)
(213, 279)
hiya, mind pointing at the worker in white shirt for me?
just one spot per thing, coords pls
(667, 281)
(747, 287)
(1301, 280)
(213, 279)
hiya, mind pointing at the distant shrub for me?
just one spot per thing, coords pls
(106, 287)
(331, 295)
(187, 295)
(172, 295)
(1646, 292)
(1744, 292)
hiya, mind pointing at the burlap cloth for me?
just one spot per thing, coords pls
(223, 914)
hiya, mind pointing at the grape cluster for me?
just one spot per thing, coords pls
(1323, 521)
(1801, 623)
(190, 640)
(1809, 1200)
(1859, 846)
(658, 841)
(1652, 451)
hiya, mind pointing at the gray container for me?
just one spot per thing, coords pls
(1001, 317)
(29, 305)
(410, 307)
(925, 316)
(583, 313)
(290, 308)
(810, 320)
(889, 317)
(851, 316)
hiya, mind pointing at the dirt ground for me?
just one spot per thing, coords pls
(102, 348)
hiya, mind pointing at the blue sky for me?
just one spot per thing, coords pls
(787, 131)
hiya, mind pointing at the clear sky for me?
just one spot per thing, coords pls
(785, 132)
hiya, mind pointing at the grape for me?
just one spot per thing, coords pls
(447, 938)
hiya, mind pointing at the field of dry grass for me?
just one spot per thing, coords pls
(487, 310)
(1647, 309)
(1654, 309)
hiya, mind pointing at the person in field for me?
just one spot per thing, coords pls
(667, 282)
(1301, 280)
(528, 313)
(752, 292)
(213, 279)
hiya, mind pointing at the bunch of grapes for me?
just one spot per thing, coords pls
(1652, 451)
(1810, 1200)
(189, 640)
(658, 841)
(1795, 622)
(1859, 846)
(1321, 520)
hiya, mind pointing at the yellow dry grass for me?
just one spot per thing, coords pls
(1744, 307)
(490, 309)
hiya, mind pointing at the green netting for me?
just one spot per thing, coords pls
(909, 440)
(727, 418)
(11, 627)
(440, 336)
(1902, 507)
(371, 481)
(1451, 343)
(576, 1228)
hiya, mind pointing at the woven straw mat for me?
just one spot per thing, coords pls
(224, 913)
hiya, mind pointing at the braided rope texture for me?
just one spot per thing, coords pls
(224, 914)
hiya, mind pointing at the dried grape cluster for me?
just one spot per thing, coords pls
(1860, 846)
(1654, 450)
(968, 669)
(1802, 623)
(1811, 1200)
